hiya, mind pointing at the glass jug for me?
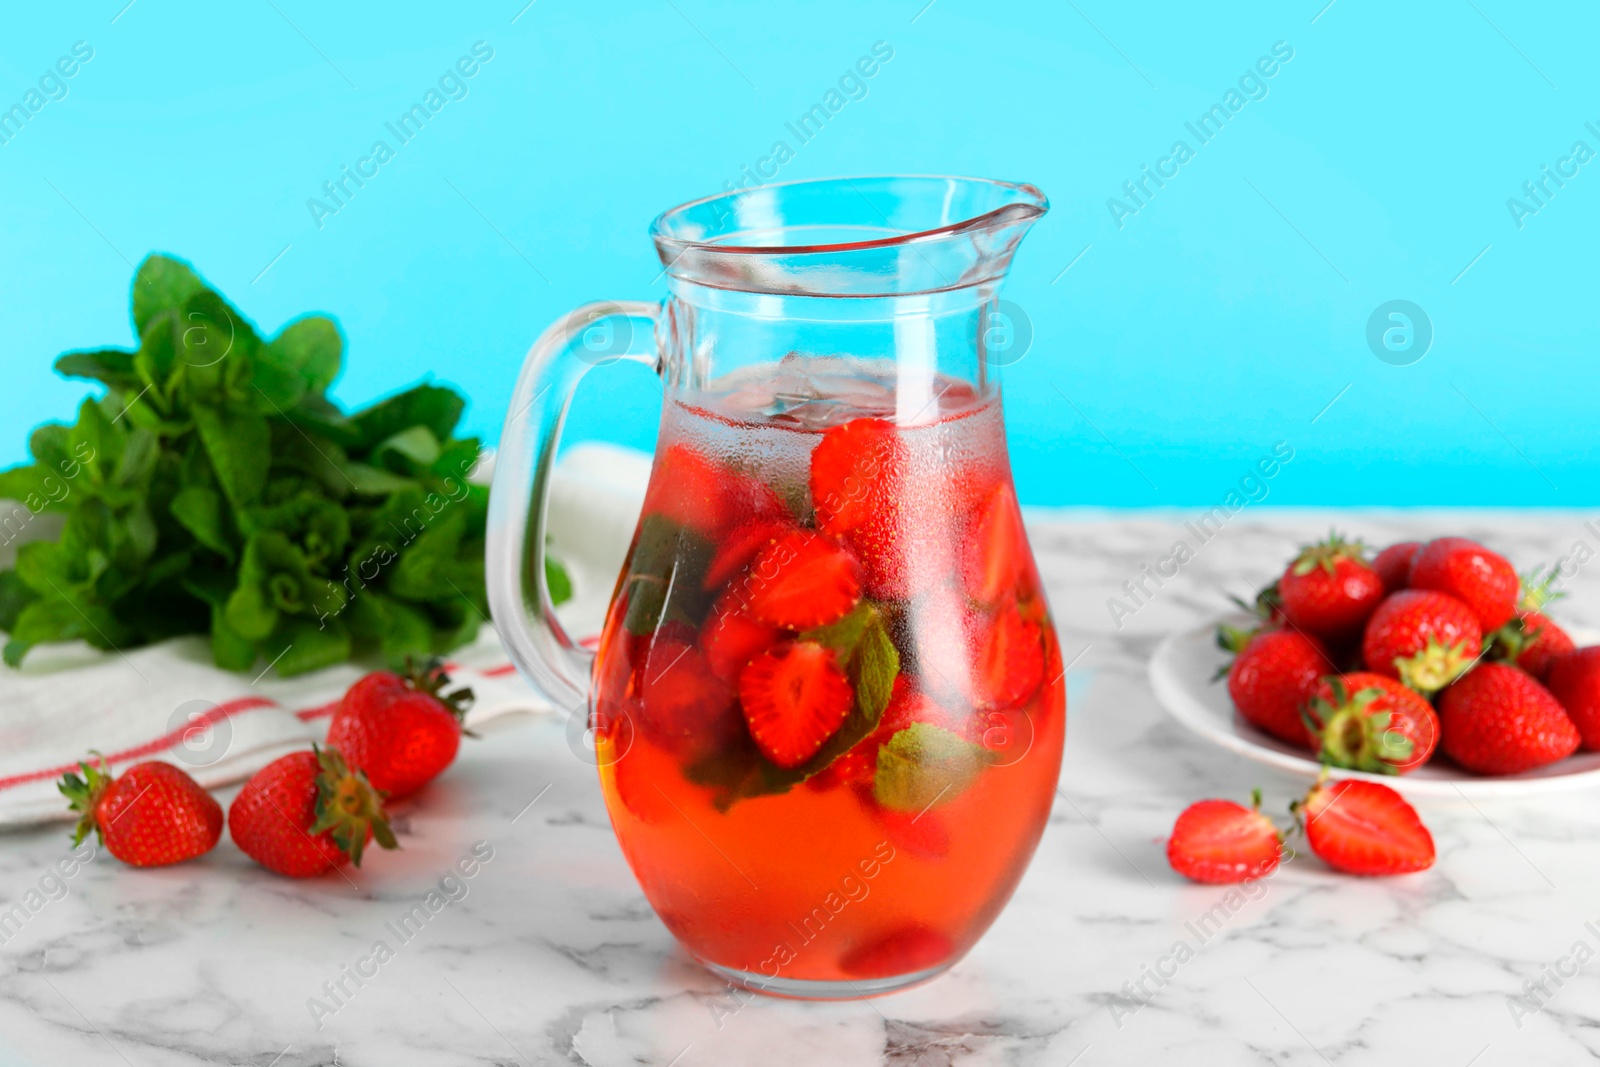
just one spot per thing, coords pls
(827, 702)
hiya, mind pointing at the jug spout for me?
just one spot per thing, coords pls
(850, 237)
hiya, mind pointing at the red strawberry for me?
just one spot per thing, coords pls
(801, 581)
(638, 792)
(905, 951)
(1533, 642)
(1010, 660)
(308, 813)
(1217, 841)
(736, 551)
(1575, 682)
(922, 833)
(855, 767)
(1497, 719)
(402, 731)
(795, 697)
(1425, 639)
(1329, 590)
(909, 704)
(691, 490)
(1481, 579)
(1273, 673)
(1368, 722)
(998, 559)
(153, 815)
(1393, 564)
(1365, 828)
(684, 705)
(732, 637)
(855, 473)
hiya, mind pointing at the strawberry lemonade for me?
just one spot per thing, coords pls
(829, 703)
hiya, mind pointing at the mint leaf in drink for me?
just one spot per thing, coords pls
(924, 765)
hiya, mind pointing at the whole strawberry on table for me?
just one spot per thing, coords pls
(1379, 664)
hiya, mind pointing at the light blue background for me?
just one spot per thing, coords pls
(1223, 317)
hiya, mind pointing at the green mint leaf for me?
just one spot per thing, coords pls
(416, 443)
(557, 581)
(238, 442)
(313, 347)
(302, 647)
(113, 366)
(199, 509)
(137, 460)
(14, 597)
(374, 481)
(45, 621)
(924, 765)
(873, 670)
(432, 406)
(230, 650)
(161, 284)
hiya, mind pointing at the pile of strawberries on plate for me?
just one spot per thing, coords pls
(1437, 646)
(1379, 665)
(303, 814)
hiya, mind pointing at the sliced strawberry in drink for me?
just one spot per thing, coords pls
(795, 697)
(856, 471)
(1010, 660)
(997, 560)
(732, 637)
(736, 551)
(909, 704)
(682, 702)
(855, 767)
(907, 950)
(801, 581)
(921, 833)
(638, 793)
(690, 489)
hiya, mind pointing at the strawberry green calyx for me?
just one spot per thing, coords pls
(348, 807)
(85, 794)
(1231, 639)
(1536, 591)
(430, 677)
(1436, 666)
(1326, 554)
(1353, 735)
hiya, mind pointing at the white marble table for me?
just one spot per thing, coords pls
(553, 957)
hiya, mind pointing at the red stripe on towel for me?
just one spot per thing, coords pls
(149, 748)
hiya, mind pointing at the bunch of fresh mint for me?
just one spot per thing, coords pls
(216, 489)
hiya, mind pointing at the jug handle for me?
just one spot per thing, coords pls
(519, 596)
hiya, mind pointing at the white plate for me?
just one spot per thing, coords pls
(1181, 671)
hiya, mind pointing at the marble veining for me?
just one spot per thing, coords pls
(548, 953)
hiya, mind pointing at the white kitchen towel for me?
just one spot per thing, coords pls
(168, 702)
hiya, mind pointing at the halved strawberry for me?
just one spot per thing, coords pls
(690, 489)
(909, 949)
(923, 834)
(732, 637)
(682, 702)
(795, 697)
(1010, 660)
(802, 580)
(1362, 827)
(1218, 841)
(735, 551)
(855, 473)
(855, 767)
(998, 558)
